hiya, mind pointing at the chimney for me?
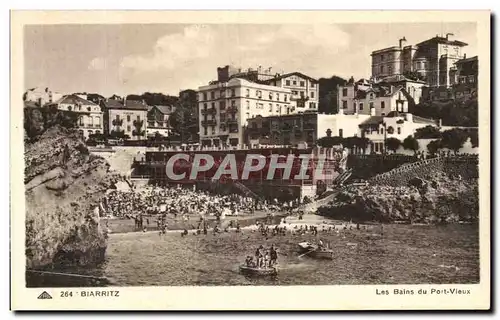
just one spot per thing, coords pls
(372, 112)
(401, 42)
(449, 34)
(465, 56)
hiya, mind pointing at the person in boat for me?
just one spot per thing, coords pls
(273, 256)
(259, 254)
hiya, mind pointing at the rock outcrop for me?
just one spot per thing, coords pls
(64, 184)
(434, 198)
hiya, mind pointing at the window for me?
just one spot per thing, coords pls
(382, 57)
(371, 105)
(361, 106)
(222, 105)
(69, 107)
(213, 130)
(205, 106)
(222, 93)
(399, 130)
(248, 105)
(390, 130)
(294, 82)
(233, 103)
(382, 105)
(233, 92)
(248, 115)
(285, 98)
(341, 133)
(313, 85)
(382, 130)
(344, 104)
(205, 132)
(302, 94)
(312, 105)
(270, 96)
(312, 94)
(344, 92)
(287, 82)
(128, 117)
(270, 107)
(260, 106)
(138, 118)
(278, 108)
(212, 95)
(381, 69)
(80, 121)
(383, 113)
(302, 84)
(471, 79)
(204, 96)
(294, 93)
(117, 117)
(390, 69)
(277, 96)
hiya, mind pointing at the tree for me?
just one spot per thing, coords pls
(410, 143)
(362, 143)
(454, 139)
(184, 120)
(393, 144)
(328, 142)
(434, 146)
(428, 132)
(327, 94)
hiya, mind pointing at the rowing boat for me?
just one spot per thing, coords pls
(312, 250)
(254, 271)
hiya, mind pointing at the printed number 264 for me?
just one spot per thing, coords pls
(66, 294)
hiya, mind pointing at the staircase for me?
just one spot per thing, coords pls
(402, 174)
(245, 190)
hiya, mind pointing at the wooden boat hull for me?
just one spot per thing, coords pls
(312, 250)
(259, 271)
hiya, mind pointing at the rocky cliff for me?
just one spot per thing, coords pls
(63, 186)
(433, 198)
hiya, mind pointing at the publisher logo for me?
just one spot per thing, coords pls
(44, 295)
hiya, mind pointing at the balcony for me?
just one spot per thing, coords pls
(138, 123)
(299, 98)
(212, 122)
(232, 121)
(208, 111)
(117, 122)
(232, 109)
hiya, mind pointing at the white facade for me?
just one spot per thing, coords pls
(224, 108)
(91, 119)
(360, 99)
(305, 90)
(42, 96)
(399, 127)
(341, 125)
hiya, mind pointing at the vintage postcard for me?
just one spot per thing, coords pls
(250, 160)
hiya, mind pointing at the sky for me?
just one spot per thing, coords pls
(136, 58)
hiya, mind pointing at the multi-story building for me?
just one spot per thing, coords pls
(41, 96)
(412, 87)
(305, 90)
(464, 78)
(395, 125)
(225, 107)
(366, 97)
(431, 60)
(127, 119)
(297, 129)
(158, 120)
(91, 119)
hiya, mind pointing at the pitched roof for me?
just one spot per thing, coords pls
(286, 75)
(129, 104)
(443, 40)
(373, 120)
(423, 120)
(74, 99)
(162, 109)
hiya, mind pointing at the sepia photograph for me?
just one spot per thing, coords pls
(276, 154)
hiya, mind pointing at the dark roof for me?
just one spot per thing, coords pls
(418, 119)
(373, 120)
(129, 104)
(113, 104)
(30, 104)
(443, 40)
(398, 78)
(135, 105)
(74, 99)
(162, 109)
(286, 75)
